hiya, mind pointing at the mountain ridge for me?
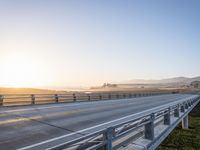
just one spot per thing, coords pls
(185, 80)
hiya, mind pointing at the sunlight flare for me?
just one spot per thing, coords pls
(19, 71)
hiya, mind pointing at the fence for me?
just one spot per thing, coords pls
(144, 125)
(25, 99)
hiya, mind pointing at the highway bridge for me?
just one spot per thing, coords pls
(125, 123)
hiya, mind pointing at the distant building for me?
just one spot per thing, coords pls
(108, 85)
(195, 84)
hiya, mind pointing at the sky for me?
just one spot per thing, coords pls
(89, 42)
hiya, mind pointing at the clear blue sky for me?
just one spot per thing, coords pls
(89, 42)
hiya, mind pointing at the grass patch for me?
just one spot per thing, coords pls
(181, 139)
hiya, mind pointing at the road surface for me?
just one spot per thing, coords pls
(42, 126)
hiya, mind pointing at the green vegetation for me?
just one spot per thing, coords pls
(181, 139)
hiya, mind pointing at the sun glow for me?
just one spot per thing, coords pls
(18, 71)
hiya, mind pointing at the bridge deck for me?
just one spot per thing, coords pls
(56, 123)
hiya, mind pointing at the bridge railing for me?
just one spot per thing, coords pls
(141, 125)
(28, 99)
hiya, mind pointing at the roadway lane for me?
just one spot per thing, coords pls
(56, 123)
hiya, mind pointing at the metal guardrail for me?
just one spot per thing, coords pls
(143, 124)
(28, 99)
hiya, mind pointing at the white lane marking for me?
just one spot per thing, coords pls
(80, 131)
(72, 104)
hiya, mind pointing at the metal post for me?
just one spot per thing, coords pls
(109, 96)
(176, 111)
(56, 98)
(74, 97)
(117, 96)
(124, 95)
(1, 100)
(185, 122)
(89, 97)
(167, 120)
(186, 105)
(100, 97)
(149, 128)
(192, 102)
(189, 104)
(33, 99)
(182, 108)
(108, 138)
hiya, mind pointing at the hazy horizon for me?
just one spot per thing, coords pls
(81, 87)
(46, 43)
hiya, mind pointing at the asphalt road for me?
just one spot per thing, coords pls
(42, 126)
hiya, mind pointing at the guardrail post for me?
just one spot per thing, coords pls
(89, 98)
(167, 120)
(186, 105)
(108, 138)
(176, 111)
(32, 99)
(100, 97)
(124, 95)
(149, 128)
(182, 108)
(56, 98)
(117, 96)
(74, 97)
(192, 102)
(109, 96)
(189, 103)
(1, 100)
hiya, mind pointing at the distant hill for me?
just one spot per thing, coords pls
(183, 80)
